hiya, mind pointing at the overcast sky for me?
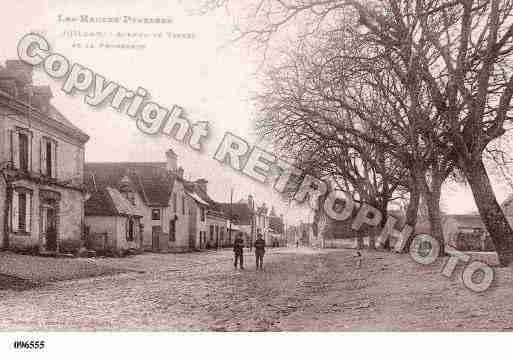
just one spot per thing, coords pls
(211, 82)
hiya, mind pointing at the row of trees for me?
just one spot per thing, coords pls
(389, 99)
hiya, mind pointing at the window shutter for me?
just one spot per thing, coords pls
(15, 149)
(54, 159)
(44, 222)
(29, 152)
(11, 146)
(42, 148)
(14, 212)
(28, 211)
(126, 229)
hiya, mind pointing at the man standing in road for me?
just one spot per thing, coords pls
(238, 246)
(259, 251)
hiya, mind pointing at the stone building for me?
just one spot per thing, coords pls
(210, 229)
(176, 213)
(41, 166)
(116, 222)
(157, 191)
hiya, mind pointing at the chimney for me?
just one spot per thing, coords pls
(251, 202)
(179, 172)
(171, 160)
(202, 183)
(15, 77)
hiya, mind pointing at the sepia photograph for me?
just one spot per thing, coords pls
(288, 176)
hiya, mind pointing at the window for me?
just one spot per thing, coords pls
(175, 209)
(23, 151)
(130, 233)
(21, 210)
(155, 214)
(183, 204)
(202, 214)
(130, 196)
(48, 158)
(211, 232)
(21, 140)
(48, 150)
(172, 231)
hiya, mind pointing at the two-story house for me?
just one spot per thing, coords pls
(212, 224)
(41, 166)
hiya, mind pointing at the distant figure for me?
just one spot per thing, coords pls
(358, 256)
(297, 243)
(238, 246)
(259, 251)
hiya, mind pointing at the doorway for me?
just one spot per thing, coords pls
(155, 236)
(49, 228)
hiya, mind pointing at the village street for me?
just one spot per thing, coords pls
(299, 289)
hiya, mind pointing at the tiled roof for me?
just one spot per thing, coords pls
(100, 204)
(214, 207)
(22, 96)
(122, 204)
(109, 202)
(59, 117)
(150, 179)
(195, 197)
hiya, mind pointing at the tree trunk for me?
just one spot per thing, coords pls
(432, 196)
(413, 207)
(384, 211)
(411, 214)
(490, 211)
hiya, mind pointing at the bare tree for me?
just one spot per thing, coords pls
(305, 112)
(460, 53)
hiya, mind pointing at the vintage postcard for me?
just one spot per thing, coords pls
(255, 166)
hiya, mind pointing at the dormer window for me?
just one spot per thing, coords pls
(130, 196)
(155, 214)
